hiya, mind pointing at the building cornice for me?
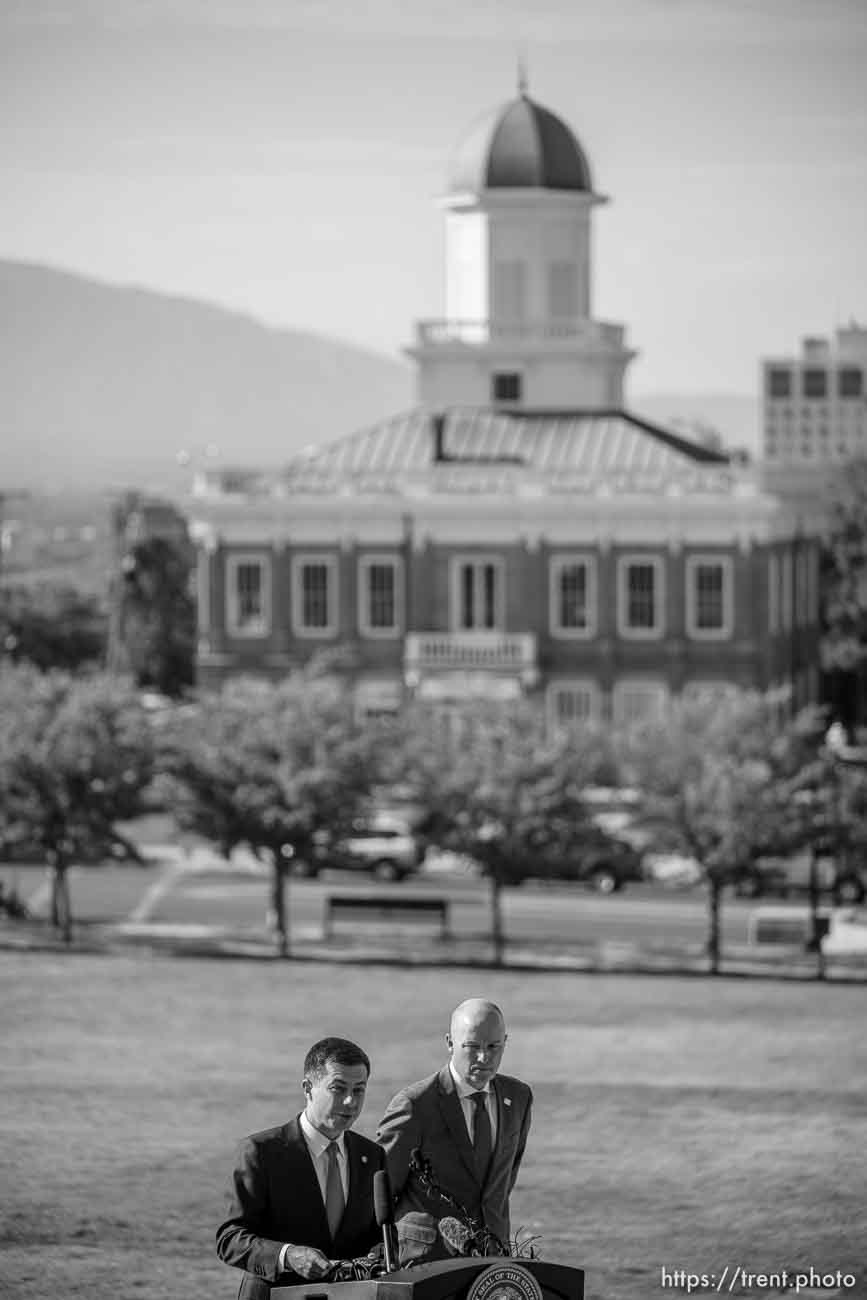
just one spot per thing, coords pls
(556, 519)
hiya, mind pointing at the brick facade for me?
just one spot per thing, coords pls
(771, 641)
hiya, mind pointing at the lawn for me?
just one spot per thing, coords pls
(678, 1123)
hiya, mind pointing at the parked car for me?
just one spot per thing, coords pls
(445, 862)
(600, 860)
(673, 870)
(381, 844)
(847, 933)
(786, 877)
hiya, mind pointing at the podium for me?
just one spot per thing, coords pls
(489, 1278)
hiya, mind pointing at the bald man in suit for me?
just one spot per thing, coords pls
(470, 1122)
(301, 1194)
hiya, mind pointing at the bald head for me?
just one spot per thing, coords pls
(476, 1039)
(475, 1010)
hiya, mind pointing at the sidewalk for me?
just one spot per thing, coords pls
(257, 944)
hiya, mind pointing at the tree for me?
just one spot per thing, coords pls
(269, 767)
(844, 591)
(154, 616)
(826, 799)
(52, 627)
(76, 757)
(498, 788)
(721, 777)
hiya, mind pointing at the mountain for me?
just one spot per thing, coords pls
(104, 386)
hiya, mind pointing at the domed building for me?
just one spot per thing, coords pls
(519, 531)
(520, 146)
(518, 327)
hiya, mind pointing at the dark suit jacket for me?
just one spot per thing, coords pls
(274, 1197)
(429, 1115)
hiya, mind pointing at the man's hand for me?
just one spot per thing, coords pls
(307, 1262)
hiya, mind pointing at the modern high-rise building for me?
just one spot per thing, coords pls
(520, 531)
(814, 406)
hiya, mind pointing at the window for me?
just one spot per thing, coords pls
(640, 596)
(314, 595)
(248, 611)
(562, 291)
(203, 591)
(850, 381)
(709, 603)
(510, 285)
(812, 586)
(572, 701)
(572, 596)
(773, 592)
(506, 386)
(477, 595)
(779, 382)
(801, 592)
(786, 591)
(815, 382)
(638, 700)
(379, 595)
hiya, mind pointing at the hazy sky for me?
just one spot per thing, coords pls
(284, 157)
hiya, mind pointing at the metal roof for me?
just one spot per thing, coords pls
(520, 145)
(565, 449)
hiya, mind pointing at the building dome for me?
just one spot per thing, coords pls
(520, 145)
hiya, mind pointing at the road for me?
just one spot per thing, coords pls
(560, 916)
(223, 895)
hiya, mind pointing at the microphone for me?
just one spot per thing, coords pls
(458, 1237)
(384, 1212)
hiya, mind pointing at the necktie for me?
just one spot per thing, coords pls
(482, 1140)
(334, 1201)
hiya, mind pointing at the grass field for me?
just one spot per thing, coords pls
(678, 1123)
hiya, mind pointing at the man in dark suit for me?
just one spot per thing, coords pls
(469, 1122)
(302, 1194)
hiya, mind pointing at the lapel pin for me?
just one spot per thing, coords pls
(364, 1160)
(507, 1101)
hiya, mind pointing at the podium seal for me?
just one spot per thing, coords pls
(505, 1281)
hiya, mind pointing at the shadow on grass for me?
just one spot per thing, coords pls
(472, 953)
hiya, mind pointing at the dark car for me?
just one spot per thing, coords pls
(598, 859)
(789, 877)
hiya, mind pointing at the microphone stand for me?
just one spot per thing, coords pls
(384, 1213)
(421, 1169)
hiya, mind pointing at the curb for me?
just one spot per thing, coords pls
(202, 941)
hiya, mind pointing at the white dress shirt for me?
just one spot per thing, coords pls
(468, 1106)
(317, 1145)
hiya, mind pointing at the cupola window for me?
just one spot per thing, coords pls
(507, 386)
(562, 290)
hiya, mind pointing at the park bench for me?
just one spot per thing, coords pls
(788, 926)
(386, 907)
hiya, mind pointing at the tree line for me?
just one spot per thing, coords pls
(273, 766)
